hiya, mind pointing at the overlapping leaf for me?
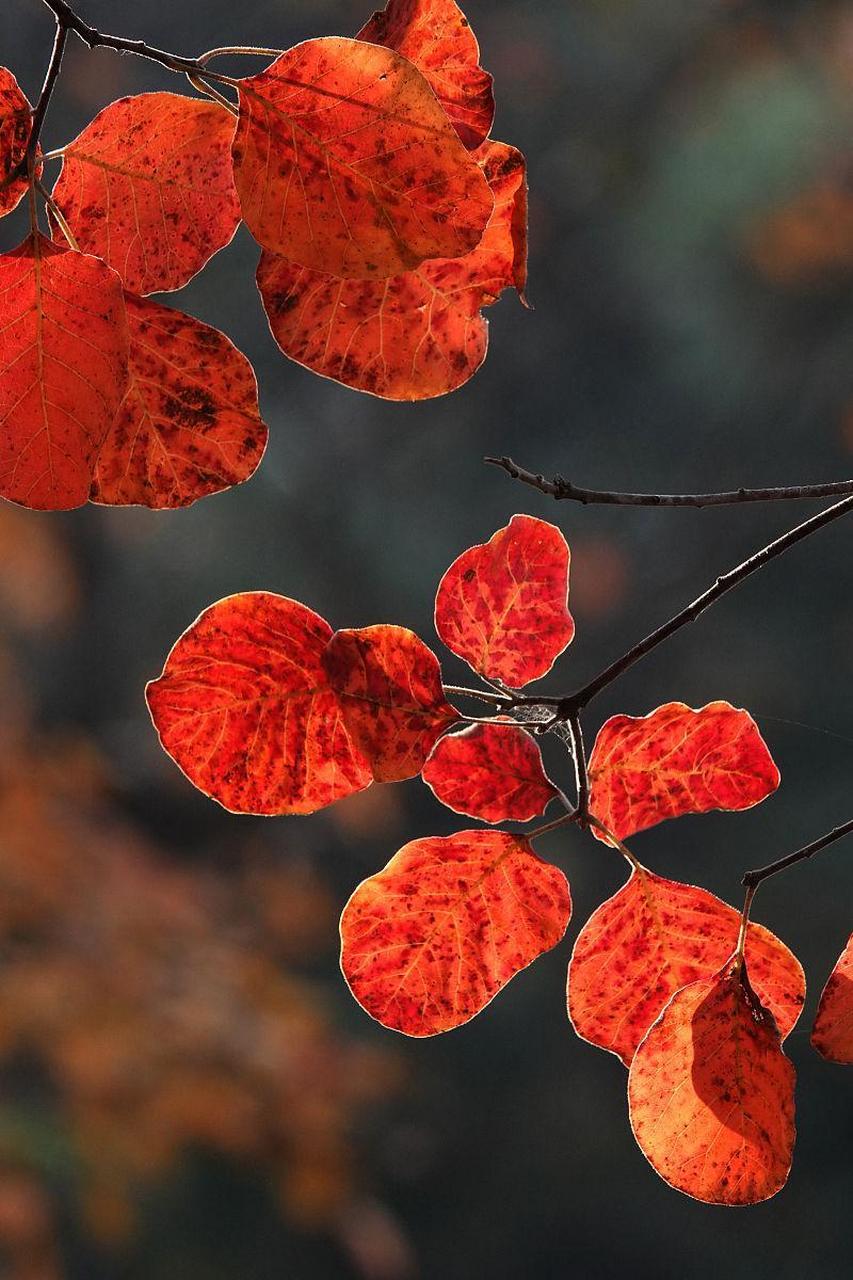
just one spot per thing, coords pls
(431, 939)
(490, 771)
(832, 1034)
(655, 936)
(15, 119)
(63, 371)
(189, 423)
(346, 163)
(711, 1094)
(245, 709)
(148, 187)
(419, 334)
(389, 687)
(677, 760)
(503, 605)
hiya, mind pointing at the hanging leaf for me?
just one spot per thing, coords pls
(490, 771)
(832, 1034)
(16, 116)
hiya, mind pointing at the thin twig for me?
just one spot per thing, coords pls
(563, 821)
(27, 164)
(581, 770)
(753, 879)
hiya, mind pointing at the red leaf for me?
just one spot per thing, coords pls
(63, 371)
(419, 334)
(712, 1094)
(346, 163)
(832, 1034)
(244, 708)
(655, 936)
(502, 605)
(436, 36)
(148, 187)
(491, 771)
(431, 939)
(675, 760)
(15, 120)
(389, 687)
(189, 424)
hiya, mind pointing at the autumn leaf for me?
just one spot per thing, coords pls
(431, 939)
(15, 120)
(189, 424)
(346, 163)
(655, 936)
(677, 760)
(490, 771)
(64, 366)
(245, 709)
(832, 1034)
(419, 334)
(436, 36)
(503, 605)
(148, 187)
(711, 1094)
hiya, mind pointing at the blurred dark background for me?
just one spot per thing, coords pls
(188, 1092)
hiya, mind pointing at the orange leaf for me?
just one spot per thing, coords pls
(832, 1034)
(244, 708)
(677, 760)
(346, 163)
(389, 687)
(503, 605)
(436, 36)
(189, 424)
(491, 771)
(431, 939)
(419, 334)
(148, 187)
(655, 936)
(63, 361)
(15, 120)
(712, 1094)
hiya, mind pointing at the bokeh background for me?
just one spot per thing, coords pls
(188, 1092)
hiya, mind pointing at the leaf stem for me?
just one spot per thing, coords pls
(614, 840)
(564, 821)
(459, 691)
(581, 770)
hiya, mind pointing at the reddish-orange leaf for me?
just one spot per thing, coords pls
(711, 1094)
(189, 424)
(655, 936)
(389, 687)
(63, 371)
(677, 760)
(419, 334)
(345, 162)
(490, 771)
(148, 187)
(245, 709)
(431, 939)
(503, 605)
(832, 1034)
(437, 37)
(15, 119)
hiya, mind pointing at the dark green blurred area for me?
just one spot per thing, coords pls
(691, 178)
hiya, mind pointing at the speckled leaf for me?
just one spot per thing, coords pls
(503, 605)
(189, 423)
(431, 939)
(389, 687)
(677, 760)
(15, 119)
(63, 371)
(420, 334)
(490, 771)
(245, 709)
(148, 187)
(346, 163)
(832, 1034)
(711, 1094)
(436, 36)
(655, 936)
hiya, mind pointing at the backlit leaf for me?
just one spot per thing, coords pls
(711, 1094)
(15, 119)
(431, 939)
(503, 605)
(677, 760)
(389, 687)
(832, 1034)
(148, 187)
(419, 334)
(189, 424)
(490, 771)
(346, 163)
(63, 371)
(655, 936)
(245, 709)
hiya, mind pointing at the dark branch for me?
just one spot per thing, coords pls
(754, 878)
(26, 165)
